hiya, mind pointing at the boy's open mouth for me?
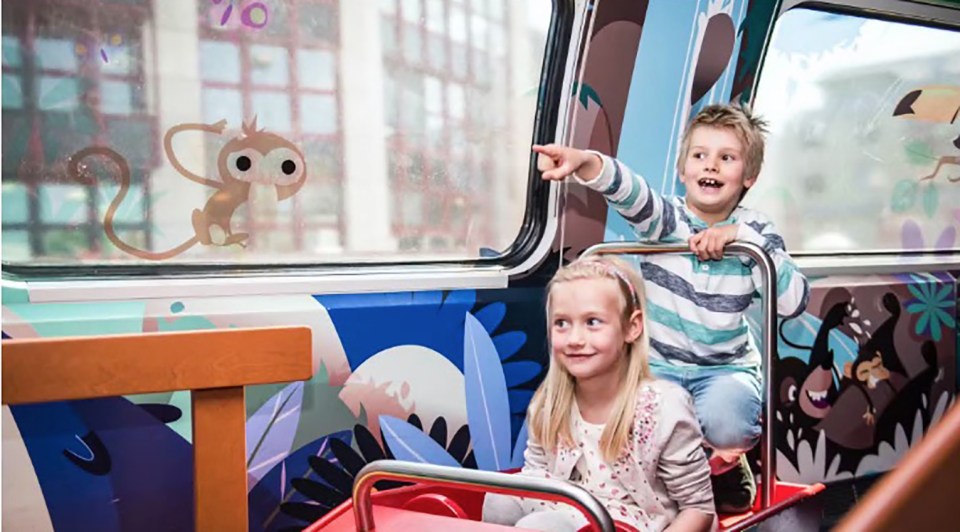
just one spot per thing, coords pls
(707, 182)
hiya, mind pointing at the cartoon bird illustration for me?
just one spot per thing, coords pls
(933, 103)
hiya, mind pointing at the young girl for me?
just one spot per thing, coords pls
(600, 421)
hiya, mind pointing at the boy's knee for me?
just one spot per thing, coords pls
(725, 433)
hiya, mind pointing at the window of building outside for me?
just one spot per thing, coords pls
(864, 148)
(273, 131)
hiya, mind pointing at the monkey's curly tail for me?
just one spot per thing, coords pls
(75, 173)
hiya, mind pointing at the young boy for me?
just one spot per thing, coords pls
(696, 304)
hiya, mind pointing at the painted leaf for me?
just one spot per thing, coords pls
(508, 344)
(271, 430)
(454, 304)
(520, 372)
(946, 238)
(519, 447)
(488, 407)
(911, 237)
(275, 488)
(904, 195)
(491, 315)
(919, 153)
(586, 94)
(412, 444)
(931, 200)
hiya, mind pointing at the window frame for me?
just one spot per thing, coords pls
(30, 73)
(528, 249)
(914, 12)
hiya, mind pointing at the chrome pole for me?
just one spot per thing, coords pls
(473, 480)
(768, 324)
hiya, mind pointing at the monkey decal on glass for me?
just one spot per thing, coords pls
(938, 104)
(254, 157)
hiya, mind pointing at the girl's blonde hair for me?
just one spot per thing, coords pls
(552, 404)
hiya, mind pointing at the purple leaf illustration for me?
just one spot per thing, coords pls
(271, 430)
(911, 237)
(409, 443)
(519, 447)
(488, 406)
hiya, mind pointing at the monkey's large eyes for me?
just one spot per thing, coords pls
(243, 164)
(285, 164)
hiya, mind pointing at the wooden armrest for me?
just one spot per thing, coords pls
(215, 365)
(57, 369)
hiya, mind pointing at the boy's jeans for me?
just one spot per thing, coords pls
(728, 404)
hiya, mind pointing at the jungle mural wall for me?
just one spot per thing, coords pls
(863, 373)
(438, 377)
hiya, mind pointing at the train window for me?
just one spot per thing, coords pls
(864, 151)
(268, 132)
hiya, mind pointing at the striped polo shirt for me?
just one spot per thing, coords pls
(696, 309)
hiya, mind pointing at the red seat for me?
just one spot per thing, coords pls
(449, 508)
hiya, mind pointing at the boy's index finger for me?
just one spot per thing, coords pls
(545, 162)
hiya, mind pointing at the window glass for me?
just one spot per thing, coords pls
(269, 65)
(219, 61)
(319, 114)
(380, 146)
(272, 110)
(56, 54)
(864, 146)
(11, 52)
(15, 203)
(116, 97)
(12, 95)
(317, 69)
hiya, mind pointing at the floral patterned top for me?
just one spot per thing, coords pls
(663, 471)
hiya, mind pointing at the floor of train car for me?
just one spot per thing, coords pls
(840, 497)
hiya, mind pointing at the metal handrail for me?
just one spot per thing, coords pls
(768, 324)
(473, 480)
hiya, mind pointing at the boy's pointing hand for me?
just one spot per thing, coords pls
(557, 162)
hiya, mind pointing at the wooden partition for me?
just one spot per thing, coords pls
(215, 365)
(921, 492)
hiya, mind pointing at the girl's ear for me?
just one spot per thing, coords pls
(634, 327)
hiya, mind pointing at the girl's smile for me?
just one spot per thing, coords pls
(586, 327)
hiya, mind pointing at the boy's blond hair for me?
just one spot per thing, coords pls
(748, 128)
(552, 404)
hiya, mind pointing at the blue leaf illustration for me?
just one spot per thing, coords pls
(428, 298)
(520, 372)
(509, 343)
(488, 409)
(411, 444)
(519, 447)
(274, 488)
(491, 315)
(271, 430)
(520, 400)
(455, 304)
